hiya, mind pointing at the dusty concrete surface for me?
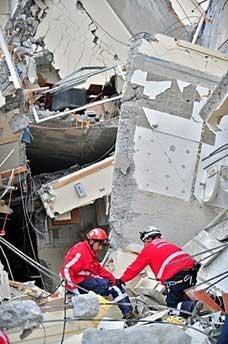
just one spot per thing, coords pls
(85, 306)
(161, 334)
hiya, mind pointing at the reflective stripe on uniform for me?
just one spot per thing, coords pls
(120, 295)
(69, 265)
(167, 261)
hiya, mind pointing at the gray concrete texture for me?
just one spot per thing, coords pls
(214, 33)
(156, 334)
(132, 209)
(158, 16)
(85, 306)
(23, 314)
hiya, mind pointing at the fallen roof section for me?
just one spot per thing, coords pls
(78, 189)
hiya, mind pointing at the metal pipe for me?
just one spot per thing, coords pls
(76, 80)
(200, 24)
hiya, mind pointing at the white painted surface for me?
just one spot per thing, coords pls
(164, 164)
(65, 198)
(182, 84)
(197, 106)
(151, 88)
(173, 125)
(139, 77)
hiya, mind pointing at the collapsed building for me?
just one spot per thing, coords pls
(64, 96)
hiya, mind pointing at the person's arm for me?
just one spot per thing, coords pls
(102, 272)
(136, 267)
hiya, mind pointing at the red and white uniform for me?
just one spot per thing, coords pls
(81, 263)
(4, 338)
(165, 260)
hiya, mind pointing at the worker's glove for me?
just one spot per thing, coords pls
(119, 282)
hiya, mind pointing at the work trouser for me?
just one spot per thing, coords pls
(102, 287)
(176, 286)
(223, 338)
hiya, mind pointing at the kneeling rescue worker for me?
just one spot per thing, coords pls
(83, 272)
(171, 266)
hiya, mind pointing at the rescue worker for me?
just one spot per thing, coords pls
(223, 338)
(83, 272)
(171, 266)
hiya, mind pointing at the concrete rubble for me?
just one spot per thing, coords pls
(23, 314)
(159, 333)
(119, 121)
(85, 306)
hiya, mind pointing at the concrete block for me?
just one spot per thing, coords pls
(85, 306)
(202, 242)
(156, 333)
(23, 314)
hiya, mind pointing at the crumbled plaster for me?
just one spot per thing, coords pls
(132, 208)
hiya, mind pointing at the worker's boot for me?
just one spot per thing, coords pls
(197, 308)
(131, 318)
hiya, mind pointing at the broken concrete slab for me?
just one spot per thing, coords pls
(159, 333)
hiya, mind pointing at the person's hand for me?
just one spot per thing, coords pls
(119, 282)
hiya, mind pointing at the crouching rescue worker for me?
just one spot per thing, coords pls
(171, 266)
(83, 272)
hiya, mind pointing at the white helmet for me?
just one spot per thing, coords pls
(150, 231)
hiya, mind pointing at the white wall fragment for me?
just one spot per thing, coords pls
(164, 164)
(139, 77)
(182, 84)
(151, 88)
(173, 125)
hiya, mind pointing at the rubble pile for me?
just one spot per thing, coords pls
(119, 144)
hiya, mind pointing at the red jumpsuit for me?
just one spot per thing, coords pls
(81, 263)
(164, 258)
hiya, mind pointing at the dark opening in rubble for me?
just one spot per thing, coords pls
(19, 233)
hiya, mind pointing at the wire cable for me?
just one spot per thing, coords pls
(143, 321)
(214, 162)
(7, 262)
(27, 226)
(217, 150)
(31, 261)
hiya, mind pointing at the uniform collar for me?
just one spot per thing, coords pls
(90, 249)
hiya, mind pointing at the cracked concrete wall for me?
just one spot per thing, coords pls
(89, 32)
(156, 161)
(92, 35)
